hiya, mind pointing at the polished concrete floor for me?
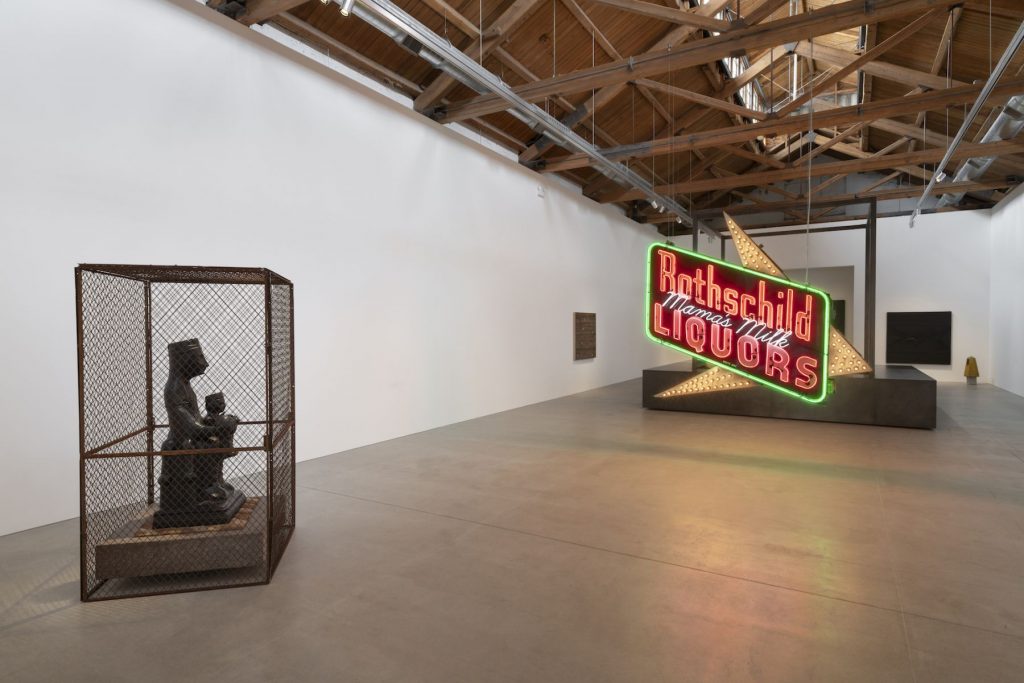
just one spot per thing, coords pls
(586, 539)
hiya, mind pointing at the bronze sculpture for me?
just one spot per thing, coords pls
(192, 487)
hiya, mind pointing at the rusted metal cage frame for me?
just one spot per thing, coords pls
(149, 274)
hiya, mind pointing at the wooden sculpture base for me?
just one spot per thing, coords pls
(137, 549)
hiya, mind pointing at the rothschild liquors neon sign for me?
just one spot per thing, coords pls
(761, 327)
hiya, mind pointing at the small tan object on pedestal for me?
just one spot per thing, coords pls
(971, 370)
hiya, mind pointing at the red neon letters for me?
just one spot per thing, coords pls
(773, 331)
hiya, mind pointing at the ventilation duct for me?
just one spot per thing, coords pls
(993, 78)
(1006, 127)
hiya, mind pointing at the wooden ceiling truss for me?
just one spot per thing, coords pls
(718, 103)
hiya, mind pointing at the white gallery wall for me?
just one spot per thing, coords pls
(432, 284)
(1007, 309)
(942, 264)
(838, 281)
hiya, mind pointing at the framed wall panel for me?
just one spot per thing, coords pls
(584, 338)
(922, 337)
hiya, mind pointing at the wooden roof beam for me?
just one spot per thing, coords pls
(877, 68)
(705, 100)
(686, 17)
(291, 24)
(829, 182)
(609, 49)
(778, 152)
(695, 114)
(527, 75)
(830, 19)
(760, 206)
(495, 34)
(450, 14)
(258, 11)
(856, 152)
(760, 13)
(826, 145)
(965, 151)
(763, 228)
(870, 111)
(606, 94)
(722, 91)
(868, 56)
(985, 6)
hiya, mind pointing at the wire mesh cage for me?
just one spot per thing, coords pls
(186, 426)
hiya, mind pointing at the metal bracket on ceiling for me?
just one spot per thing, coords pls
(436, 113)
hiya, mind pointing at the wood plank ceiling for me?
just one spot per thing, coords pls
(719, 102)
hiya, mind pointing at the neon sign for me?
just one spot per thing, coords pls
(765, 328)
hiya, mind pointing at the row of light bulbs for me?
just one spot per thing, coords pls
(346, 6)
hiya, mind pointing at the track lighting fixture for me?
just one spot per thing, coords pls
(346, 7)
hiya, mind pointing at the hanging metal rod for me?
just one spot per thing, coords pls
(940, 170)
(414, 36)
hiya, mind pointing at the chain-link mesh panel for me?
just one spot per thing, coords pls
(282, 410)
(281, 351)
(205, 330)
(230, 323)
(283, 462)
(126, 555)
(113, 311)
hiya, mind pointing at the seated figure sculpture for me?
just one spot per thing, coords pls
(210, 468)
(191, 493)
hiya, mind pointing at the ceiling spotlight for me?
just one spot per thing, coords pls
(654, 204)
(346, 7)
(679, 220)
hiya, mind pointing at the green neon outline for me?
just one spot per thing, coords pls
(827, 322)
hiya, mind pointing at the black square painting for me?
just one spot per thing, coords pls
(923, 337)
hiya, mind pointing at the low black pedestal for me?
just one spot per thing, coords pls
(896, 396)
(222, 514)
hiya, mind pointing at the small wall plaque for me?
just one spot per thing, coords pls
(584, 336)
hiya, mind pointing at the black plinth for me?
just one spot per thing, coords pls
(222, 514)
(895, 396)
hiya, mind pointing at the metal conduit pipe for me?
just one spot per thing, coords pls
(414, 36)
(993, 78)
(412, 45)
(1006, 127)
(420, 50)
